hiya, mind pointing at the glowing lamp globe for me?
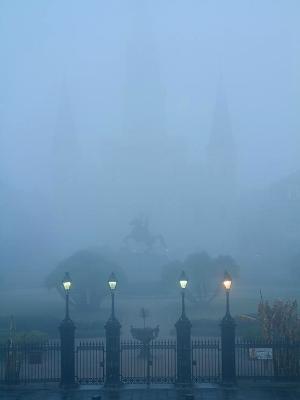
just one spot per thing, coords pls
(67, 283)
(183, 281)
(227, 281)
(112, 282)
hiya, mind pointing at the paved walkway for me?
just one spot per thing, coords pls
(159, 393)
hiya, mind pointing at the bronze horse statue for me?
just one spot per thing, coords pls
(141, 235)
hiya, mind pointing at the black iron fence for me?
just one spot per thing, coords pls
(30, 363)
(260, 359)
(150, 363)
(206, 360)
(90, 362)
(156, 362)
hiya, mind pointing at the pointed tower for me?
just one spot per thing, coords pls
(65, 147)
(66, 174)
(144, 158)
(221, 150)
(221, 180)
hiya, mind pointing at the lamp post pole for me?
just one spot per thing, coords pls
(228, 338)
(67, 338)
(67, 306)
(182, 302)
(183, 333)
(227, 303)
(112, 304)
(112, 333)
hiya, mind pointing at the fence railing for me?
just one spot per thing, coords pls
(148, 364)
(151, 363)
(206, 360)
(260, 359)
(90, 362)
(29, 363)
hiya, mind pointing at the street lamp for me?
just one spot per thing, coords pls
(112, 334)
(183, 281)
(183, 338)
(112, 283)
(67, 283)
(228, 337)
(67, 337)
(227, 282)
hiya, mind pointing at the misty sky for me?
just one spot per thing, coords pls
(98, 88)
(89, 47)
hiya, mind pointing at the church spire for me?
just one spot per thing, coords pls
(221, 151)
(66, 191)
(143, 160)
(221, 185)
(65, 138)
(65, 144)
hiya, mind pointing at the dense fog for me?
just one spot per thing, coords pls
(177, 117)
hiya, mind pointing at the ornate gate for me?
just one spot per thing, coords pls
(206, 360)
(153, 363)
(90, 362)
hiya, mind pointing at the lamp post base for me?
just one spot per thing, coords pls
(113, 332)
(228, 350)
(183, 332)
(67, 337)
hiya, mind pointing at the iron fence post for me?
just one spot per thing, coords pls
(228, 349)
(67, 357)
(183, 332)
(12, 364)
(113, 351)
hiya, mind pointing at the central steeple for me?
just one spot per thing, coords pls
(221, 180)
(221, 150)
(144, 160)
(66, 182)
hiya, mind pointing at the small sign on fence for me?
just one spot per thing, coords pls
(261, 353)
